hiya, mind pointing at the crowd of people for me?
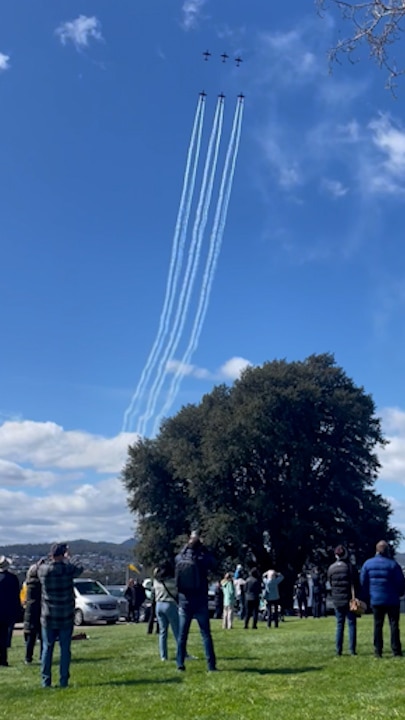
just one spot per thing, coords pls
(180, 594)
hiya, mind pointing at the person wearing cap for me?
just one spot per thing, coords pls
(343, 579)
(383, 582)
(193, 598)
(9, 606)
(57, 610)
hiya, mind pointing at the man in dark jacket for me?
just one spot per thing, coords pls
(192, 566)
(32, 613)
(383, 582)
(9, 605)
(253, 588)
(57, 610)
(343, 580)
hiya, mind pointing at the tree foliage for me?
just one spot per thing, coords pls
(378, 24)
(288, 453)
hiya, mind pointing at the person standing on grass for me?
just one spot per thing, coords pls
(9, 606)
(166, 598)
(382, 581)
(32, 613)
(57, 611)
(228, 590)
(272, 580)
(193, 564)
(253, 588)
(343, 580)
(218, 601)
(301, 589)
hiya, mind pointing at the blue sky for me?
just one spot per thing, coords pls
(98, 101)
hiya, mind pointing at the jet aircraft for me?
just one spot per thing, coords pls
(238, 61)
(203, 94)
(221, 96)
(224, 57)
(206, 55)
(241, 97)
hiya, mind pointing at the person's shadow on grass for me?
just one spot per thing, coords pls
(279, 671)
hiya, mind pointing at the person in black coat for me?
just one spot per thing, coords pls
(344, 583)
(218, 601)
(301, 589)
(9, 605)
(253, 588)
(32, 613)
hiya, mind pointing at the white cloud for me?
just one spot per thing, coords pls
(230, 370)
(94, 512)
(334, 187)
(192, 10)
(45, 444)
(392, 457)
(12, 474)
(233, 368)
(4, 62)
(80, 31)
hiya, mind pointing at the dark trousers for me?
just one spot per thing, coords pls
(317, 606)
(302, 604)
(30, 640)
(272, 612)
(379, 612)
(252, 611)
(3, 642)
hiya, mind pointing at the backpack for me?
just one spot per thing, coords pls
(187, 572)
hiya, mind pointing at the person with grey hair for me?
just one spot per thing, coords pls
(382, 581)
(10, 607)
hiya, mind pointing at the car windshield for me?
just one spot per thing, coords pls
(116, 591)
(91, 587)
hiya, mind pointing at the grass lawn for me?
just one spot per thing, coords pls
(285, 674)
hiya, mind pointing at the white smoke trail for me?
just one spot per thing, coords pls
(175, 262)
(212, 259)
(193, 262)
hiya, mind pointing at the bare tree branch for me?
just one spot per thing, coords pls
(378, 24)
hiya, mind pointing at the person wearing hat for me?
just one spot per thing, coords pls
(9, 605)
(57, 610)
(383, 582)
(192, 565)
(343, 579)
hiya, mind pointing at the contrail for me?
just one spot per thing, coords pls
(212, 259)
(193, 262)
(176, 260)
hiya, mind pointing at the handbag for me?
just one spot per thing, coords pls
(358, 607)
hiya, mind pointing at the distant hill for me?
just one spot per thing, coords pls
(77, 547)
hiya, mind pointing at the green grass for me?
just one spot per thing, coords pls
(285, 674)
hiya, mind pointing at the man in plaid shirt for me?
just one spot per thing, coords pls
(57, 610)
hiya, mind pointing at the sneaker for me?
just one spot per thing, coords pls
(181, 668)
(191, 657)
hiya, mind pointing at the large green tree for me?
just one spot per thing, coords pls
(279, 468)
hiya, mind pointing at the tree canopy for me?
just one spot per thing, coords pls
(278, 468)
(378, 24)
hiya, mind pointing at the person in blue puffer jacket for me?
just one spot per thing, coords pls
(383, 582)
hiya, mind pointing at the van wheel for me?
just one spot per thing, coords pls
(111, 622)
(78, 620)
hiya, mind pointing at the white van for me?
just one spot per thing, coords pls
(94, 603)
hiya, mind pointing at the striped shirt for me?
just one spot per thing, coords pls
(58, 599)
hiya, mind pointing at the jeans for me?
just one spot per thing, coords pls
(197, 609)
(49, 637)
(379, 612)
(167, 614)
(341, 614)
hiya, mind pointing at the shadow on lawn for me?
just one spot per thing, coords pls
(280, 671)
(145, 681)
